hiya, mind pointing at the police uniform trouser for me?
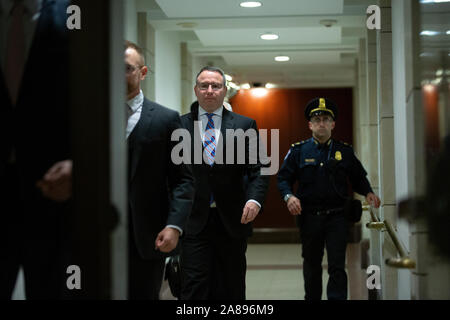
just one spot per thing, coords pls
(319, 232)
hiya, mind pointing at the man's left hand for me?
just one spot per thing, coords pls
(57, 182)
(167, 239)
(250, 212)
(373, 200)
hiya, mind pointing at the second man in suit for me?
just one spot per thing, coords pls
(228, 198)
(160, 192)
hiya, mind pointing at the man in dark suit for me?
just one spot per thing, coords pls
(160, 192)
(35, 173)
(213, 249)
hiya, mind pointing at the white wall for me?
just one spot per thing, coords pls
(168, 69)
(130, 22)
(402, 165)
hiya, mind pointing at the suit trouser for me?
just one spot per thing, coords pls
(144, 275)
(31, 236)
(213, 263)
(317, 232)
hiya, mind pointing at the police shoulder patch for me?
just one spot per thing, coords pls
(345, 144)
(299, 143)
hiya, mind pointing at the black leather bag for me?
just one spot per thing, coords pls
(353, 210)
(173, 275)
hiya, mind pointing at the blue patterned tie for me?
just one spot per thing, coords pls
(210, 140)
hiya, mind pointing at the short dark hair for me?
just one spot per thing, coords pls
(213, 69)
(139, 50)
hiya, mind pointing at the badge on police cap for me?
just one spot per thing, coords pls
(320, 106)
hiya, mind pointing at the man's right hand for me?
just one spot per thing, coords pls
(294, 206)
(56, 184)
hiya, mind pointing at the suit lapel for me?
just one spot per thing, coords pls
(138, 133)
(194, 128)
(4, 92)
(227, 123)
(39, 43)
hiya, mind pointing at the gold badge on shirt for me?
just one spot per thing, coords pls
(338, 156)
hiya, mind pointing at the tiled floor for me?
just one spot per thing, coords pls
(274, 272)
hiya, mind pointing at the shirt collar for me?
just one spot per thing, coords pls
(136, 102)
(320, 145)
(217, 112)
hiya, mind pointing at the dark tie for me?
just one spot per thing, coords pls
(15, 51)
(210, 140)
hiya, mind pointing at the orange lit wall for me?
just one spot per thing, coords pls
(431, 106)
(283, 109)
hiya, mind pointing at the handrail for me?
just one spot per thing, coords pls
(375, 224)
(404, 262)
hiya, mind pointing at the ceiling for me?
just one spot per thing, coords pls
(223, 34)
(435, 50)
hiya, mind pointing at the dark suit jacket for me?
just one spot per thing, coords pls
(38, 126)
(232, 184)
(160, 192)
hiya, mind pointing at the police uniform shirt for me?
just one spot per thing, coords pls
(311, 165)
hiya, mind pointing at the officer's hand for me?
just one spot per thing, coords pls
(294, 206)
(250, 212)
(373, 200)
(167, 239)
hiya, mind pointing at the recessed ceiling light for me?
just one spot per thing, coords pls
(448, 32)
(269, 36)
(187, 24)
(250, 4)
(270, 85)
(433, 1)
(282, 58)
(429, 33)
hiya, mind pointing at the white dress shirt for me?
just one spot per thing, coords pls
(134, 111)
(217, 118)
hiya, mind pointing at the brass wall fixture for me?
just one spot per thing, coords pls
(404, 261)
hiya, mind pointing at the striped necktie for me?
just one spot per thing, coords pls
(15, 52)
(210, 140)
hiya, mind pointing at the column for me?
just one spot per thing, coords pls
(370, 144)
(386, 160)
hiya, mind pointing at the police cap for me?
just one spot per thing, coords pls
(319, 106)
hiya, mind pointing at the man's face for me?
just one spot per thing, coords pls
(135, 71)
(321, 126)
(210, 90)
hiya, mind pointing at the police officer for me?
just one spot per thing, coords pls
(322, 167)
